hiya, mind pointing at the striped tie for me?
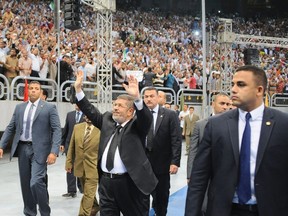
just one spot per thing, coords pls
(87, 134)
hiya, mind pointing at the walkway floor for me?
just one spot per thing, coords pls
(11, 199)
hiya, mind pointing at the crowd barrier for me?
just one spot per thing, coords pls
(56, 93)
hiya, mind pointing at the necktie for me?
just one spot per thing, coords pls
(244, 184)
(150, 134)
(112, 149)
(87, 134)
(77, 117)
(28, 122)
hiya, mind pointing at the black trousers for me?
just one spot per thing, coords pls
(34, 73)
(161, 194)
(120, 194)
(236, 211)
(71, 183)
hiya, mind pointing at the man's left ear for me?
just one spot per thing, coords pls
(261, 89)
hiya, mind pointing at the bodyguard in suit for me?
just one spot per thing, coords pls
(72, 118)
(163, 148)
(36, 128)
(82, 157)
(188, 127)
(220, 104)
(244, 155)
(126, 175)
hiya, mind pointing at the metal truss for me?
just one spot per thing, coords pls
(226, 37)
(104, 56)
(104, 9)
(261, 41)
(226, 55)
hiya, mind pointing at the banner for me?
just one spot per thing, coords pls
(137, 74)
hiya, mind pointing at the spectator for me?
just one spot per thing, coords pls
(25, 64)
(91, 70)
(66, 71)
(148, 77)
(11, 65)
(36, 62)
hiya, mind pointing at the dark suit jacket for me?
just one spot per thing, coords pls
(167, 141)
(68, 129)
(148, 78)
(46, 131)
(217, 159)
(132, 144)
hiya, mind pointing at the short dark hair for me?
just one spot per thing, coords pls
(151, 88)
(45, 92)
(259, 74)
(35, 82)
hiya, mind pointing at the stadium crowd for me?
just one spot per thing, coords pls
(167, 48)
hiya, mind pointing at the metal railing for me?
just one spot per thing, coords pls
(91, 90)
(4, 88)
(18, 85)
(194, 97)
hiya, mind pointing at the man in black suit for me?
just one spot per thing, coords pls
(72, 118)
(244, 155)
(126, 177)
(163, 148)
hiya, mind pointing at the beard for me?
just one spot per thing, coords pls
(118, 119)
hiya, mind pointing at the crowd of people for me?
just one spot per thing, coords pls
(168, 52)
(164, 47)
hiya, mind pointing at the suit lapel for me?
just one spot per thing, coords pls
(234, 134)
(159, 119)
(82, 133)
(73, 118)
(22, 111)
(108, 131)
(268, 123)
(39, 108)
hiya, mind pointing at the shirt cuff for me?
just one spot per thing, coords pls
(80, 95)
(139, 104)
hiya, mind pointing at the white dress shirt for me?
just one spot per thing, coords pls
(118, 167)
(255, 125)
(22, 136)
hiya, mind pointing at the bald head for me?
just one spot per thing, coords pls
(161, 98)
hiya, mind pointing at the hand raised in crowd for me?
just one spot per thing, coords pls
(132, 88)
(79, 81)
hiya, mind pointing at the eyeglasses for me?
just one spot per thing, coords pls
(119, 105)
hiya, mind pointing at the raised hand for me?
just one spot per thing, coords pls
(79, 81)
(132, 88)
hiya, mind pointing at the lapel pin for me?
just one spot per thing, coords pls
(268, 123)
(161, 116)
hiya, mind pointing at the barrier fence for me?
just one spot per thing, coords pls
(56, 93)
